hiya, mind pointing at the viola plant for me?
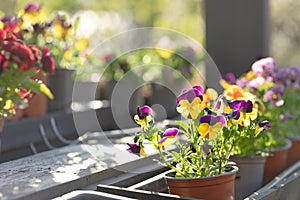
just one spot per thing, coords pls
(19, 62)
(288, 81)
(56, 31)
(206, 137)
(261, 86)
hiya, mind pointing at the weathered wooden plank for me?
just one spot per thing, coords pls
(56, 172)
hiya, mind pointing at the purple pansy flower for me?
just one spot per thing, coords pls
(230, 78)
(210, 125)
(283, 76)
(264, 67)
(241, 105)
(133, 148)
(144, 111)
(284, 117)
(233, 115)
(242, 82)
(212, 120)
(265, 124)
(169, 134)
(191, 94)
(274, 95)
(32, 7)
(256, 83)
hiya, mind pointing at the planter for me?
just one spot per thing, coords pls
(61, 85)
(276, 162)
(294, 152)
(104, 89)
(249, 178)
(1, 129)
(219, 187)
(38, 104)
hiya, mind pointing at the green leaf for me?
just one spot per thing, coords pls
(37, 88)
(183, 125)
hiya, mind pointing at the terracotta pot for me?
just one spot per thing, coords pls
(249, 178)
(38, 104)
(219, 187)
(294, 152)
(276, 162)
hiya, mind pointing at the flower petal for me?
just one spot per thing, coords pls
(203, 129)
(171, 132)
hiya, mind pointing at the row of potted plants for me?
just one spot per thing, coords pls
(20, 63)
(248, 124)
(56, 33)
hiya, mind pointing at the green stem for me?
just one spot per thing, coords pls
(168, 164)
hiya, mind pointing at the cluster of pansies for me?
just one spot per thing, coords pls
(276, 91)
(207, 136)
(18, 63)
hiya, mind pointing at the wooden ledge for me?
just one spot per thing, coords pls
(59, 171)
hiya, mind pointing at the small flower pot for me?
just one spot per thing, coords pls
(276, 162)
(249, 178)
(1, 129)
(61, 85)
(38, 104)
(219, 187)
(294, 152)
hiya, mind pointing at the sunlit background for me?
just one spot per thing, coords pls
(103, 19)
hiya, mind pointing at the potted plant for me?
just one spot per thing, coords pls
(205, 140)
(260, 84)
(68, 50)
(289, 79)
(18, 63)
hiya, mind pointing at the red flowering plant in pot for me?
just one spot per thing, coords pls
(18, 63)
(69, 49)
(204, 142)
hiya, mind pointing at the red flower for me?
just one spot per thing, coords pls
(12, 28)
(2, 34)
(36, 51)
(25, 93)
(47, 61)
(20, 54)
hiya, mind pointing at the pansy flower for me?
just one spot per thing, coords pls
(265, 125)
(274, 95)
(32, 14)
(168, 137)
(229, 77)
(210, 125)
(265, 67)
(143, 116)
(189, 102)
(136, 149)
(209, 96)
(234, 92)
(247, 110)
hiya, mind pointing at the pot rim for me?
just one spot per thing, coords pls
(288, 144)
(234, 169)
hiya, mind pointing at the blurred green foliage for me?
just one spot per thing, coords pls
(180, 15)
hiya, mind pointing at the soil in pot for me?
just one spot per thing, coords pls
(219, 187)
